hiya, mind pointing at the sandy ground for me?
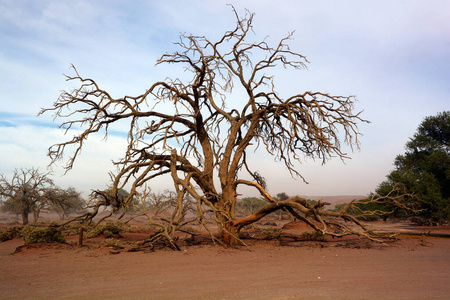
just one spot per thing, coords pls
(337, 269)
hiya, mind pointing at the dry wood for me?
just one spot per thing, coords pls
(193, 131)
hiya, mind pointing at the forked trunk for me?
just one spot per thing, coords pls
(228, 232)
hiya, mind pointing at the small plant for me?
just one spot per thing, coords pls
(269, 231)
(113, 243)
(107, 233)
(251, 226)
(313, 236)
(33, 235)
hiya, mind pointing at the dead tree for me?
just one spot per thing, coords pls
(25, 193)
(195, 131)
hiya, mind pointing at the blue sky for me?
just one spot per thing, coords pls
(393, 55)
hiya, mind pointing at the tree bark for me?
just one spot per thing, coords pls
(24, 218)
(229, 234)
(228, 231)
(36, 215)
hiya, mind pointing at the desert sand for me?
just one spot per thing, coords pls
(410, 268)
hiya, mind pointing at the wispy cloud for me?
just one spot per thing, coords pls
(18, 119)
(393, 55)
(25, 142)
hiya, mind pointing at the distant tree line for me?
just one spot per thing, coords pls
(30, 191)
(250, 205)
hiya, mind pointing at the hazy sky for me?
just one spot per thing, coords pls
(393, 55)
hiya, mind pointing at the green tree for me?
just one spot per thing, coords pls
(281, 197)
(250, 205)
(424, 169)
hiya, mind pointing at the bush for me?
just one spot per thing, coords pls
(32, 235)
(313, 236)
(108, 229)
(107, 234)
(115, 244)
(270, 231)
(5, 234)
(9, 233)
(70, 229)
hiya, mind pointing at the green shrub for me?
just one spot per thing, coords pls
(270, 231)
(109, 227)
(8, 233)
(32, 235)
(70, 229)
(115, 244)
(5, 234)
(115, 227)
(107, 234)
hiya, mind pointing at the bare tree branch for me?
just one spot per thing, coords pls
(193, 132)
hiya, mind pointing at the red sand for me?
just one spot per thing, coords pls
(264, 270)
